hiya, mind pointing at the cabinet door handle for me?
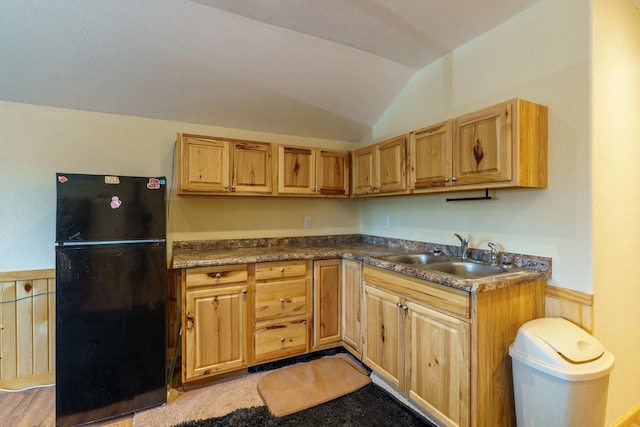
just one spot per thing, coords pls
(282, 300)
(446, 179)
(244, 291)
(454, 179)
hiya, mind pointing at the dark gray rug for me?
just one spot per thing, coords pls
(368, 406)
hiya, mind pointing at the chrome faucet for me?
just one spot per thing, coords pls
(464, 246)
(494, 253)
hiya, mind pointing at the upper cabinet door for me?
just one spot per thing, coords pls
(381, 168)
(430, 158)
(332, 173)
(313, 172)
(252, 165)
(203, 165)
(392, 157)
(365, 176)
(482, 146)
(296, 170)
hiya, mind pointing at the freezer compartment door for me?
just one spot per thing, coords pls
(102, 208)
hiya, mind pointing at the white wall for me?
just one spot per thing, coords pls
(541, 55)
(616, 199)
(581, 58)
(36, 142)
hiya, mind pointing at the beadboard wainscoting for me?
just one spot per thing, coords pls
(27, 326)
(574, 306)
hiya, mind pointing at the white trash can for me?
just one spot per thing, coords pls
(560, 375)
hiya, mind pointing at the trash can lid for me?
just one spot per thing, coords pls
(569, 340)
(559, 348)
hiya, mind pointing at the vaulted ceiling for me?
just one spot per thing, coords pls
(317, 68)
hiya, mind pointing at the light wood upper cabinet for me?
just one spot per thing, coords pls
(430, 156)
(501, 146)
(306, 171)
(216, 319)
(208, 165)
(203, 165)
(482, 144)
(252, 167)
(380, 168)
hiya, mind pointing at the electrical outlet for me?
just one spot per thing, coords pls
(385, 221)
(307, 222)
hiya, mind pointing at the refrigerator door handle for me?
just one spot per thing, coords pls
(109, 242)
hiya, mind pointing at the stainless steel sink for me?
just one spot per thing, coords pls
(421, 259)
(463, 268)
(468, 269)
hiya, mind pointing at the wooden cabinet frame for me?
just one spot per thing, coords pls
(217, 320)
(217, 166)
(473, 383)
(502, 146)
(327, 303)
(304, 171)
(283, 309)
(380, 169)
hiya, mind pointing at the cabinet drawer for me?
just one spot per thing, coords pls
(452, 300)
(280, 339)
(281, 299)
(224, 274)
(280, 270)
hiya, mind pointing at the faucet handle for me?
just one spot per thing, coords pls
(462, 241)
(464, 246)
(494, 253)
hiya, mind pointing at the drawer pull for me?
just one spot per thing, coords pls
(282, 300)
(281, 269)
(244, 291)
(281, 339)
(215, 275)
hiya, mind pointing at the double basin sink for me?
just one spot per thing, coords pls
(460, 267)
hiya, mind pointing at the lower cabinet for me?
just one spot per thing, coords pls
(445, 348)
(282, 309)
(420, 351)
(437, 352)
(352, 306)
(327, 303)
(216, 321)
(383, 335)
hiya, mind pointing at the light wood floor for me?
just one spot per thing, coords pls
(37, 408)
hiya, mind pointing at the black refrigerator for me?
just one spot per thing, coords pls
(111, 291)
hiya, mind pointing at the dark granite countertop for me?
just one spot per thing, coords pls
(363, 248)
